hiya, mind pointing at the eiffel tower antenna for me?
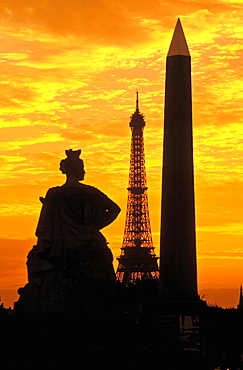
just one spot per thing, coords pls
(137, 108)
(137, 260)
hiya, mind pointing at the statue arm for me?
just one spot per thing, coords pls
(112, 210)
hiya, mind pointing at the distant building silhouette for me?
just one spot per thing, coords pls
(240, 305)
(137, 260)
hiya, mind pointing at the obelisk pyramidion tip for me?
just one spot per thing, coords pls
(178, 44)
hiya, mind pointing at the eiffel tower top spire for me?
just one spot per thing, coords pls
(137, 118)
(137, 102)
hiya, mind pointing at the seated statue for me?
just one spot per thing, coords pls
(71, 267)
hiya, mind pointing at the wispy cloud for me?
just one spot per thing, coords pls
(68, 80)
(232, 228)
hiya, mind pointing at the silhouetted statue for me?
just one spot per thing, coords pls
(70, 268)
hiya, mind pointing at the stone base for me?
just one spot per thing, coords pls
(63, 292)
(181, 306)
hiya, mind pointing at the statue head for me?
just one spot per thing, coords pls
(73, 165)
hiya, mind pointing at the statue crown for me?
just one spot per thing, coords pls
(73, 154)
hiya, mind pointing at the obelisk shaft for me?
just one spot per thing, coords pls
(178, 275)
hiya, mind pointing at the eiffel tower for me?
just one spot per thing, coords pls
(137, 260)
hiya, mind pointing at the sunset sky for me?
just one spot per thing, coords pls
(69, 71)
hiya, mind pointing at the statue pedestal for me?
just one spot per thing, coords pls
(64, 292)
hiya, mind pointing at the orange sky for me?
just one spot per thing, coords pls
(68, 75)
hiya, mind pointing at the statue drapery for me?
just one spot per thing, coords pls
(69, 222)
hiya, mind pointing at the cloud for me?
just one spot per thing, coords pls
(69, 72)
(97, 20)
(9, 158)
(80, 106)
(18, 210)
(14, 122)
(17, 144)
(226, 255)
(218, 152)
(231, 228)
(103, 22)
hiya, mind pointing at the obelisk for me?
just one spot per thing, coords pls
(178, 272)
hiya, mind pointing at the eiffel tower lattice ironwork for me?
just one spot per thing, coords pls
(137, 260)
